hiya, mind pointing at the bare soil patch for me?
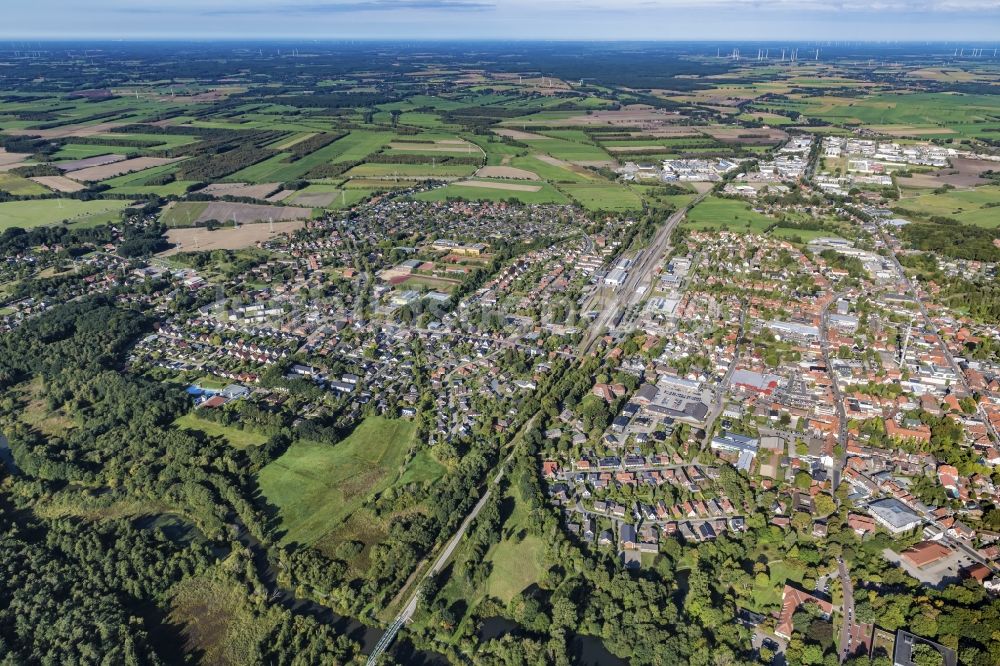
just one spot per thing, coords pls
(261, 191)
(597, 164)
(518, 135)
(513, 187)
(68, 130)
(58, 183)
(910, 130)
(631, 115)
(87, 162)
(280, 196)
(438, 147)
(637, 149)
(10, 160)
(118, 168)
(964, 173)
(247, 235)
(506, 172)
(746, 135)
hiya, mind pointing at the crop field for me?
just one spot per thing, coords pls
(314, 486)
(105, 171)
(56, 183)
(41, 212)
(190, 213)
(544, 194)
(20, 186)
(411, 171)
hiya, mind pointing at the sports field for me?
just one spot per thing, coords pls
(315, 485)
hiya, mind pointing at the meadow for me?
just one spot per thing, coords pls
(42, 212)
(976, 207)
(718, 214)
(314, 486)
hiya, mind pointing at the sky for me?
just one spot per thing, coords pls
(868, 20)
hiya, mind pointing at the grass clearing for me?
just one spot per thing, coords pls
(967, 206)
(235, 437)
(316, 485)
(603, 196)
(716, 214)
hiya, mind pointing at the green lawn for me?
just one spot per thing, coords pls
(41, 212)
(316, 485)
(716, 214)
(552, 172)
(422, 469)
(236, 438)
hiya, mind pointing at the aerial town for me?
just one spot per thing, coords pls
(509, 370)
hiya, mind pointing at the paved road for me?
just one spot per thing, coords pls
(641, 274)
(846, 628)
(824, 339)
(944, 347)
(720, 394)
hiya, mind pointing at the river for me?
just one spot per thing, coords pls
(586, 650)
(6, 457)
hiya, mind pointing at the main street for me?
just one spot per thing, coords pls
(838, 398)
(928, 322)
(847, 628)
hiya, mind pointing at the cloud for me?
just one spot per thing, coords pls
(307, 8)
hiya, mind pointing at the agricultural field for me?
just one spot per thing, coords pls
(529, 192)
(41, 212)
(20, 186)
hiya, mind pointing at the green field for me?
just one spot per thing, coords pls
(428, 170)
(343, 197)
(553, 173)
(314, 486)
(183, 213)
(236, 437)
(603, 196)
(718, 214)
(41, 212)
(966, 206)
(19, 186)
(517, 560)
(547, 194)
